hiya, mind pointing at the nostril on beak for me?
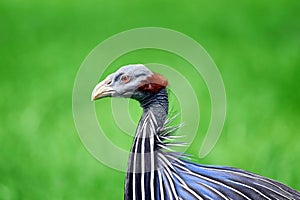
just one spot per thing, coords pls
(108, 82)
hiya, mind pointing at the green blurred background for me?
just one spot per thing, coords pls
(256, 45)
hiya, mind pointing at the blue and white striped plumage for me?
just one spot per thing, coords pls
(157, 173)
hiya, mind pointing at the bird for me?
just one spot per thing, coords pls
(154, 170)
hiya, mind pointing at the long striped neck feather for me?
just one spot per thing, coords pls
(142, 163)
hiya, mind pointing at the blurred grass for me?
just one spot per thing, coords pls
(42, 44)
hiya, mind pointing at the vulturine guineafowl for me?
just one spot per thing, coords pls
(156, 173)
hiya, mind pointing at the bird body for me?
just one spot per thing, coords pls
(154, 171)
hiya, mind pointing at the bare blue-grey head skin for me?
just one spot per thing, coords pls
(156, 173)
(123, 83)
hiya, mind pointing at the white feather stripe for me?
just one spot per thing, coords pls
(213, 181)
(152, 189)
(276, 192)
(153, 117)
(187, 188)
(165, 161)
(143, 164)
(251, 188)
(161, 188)
(172, 191)
(135, 156)
(249, 176)
(134, 172)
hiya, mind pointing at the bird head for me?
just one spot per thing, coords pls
(131, 81)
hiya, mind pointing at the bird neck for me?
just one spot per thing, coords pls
(142, 160)
(158, 103)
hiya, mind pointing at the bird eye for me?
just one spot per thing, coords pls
(125, 78)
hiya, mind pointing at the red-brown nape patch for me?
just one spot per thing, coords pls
(153, 84)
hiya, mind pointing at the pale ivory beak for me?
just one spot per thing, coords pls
(102, 89)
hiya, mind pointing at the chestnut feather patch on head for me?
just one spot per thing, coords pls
(153, 83)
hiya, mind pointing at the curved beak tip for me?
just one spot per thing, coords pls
(96, 94)
(93, 98)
